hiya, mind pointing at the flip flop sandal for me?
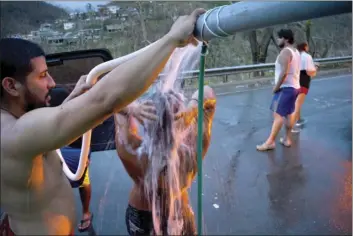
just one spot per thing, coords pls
(284, 143)
(82, 222)
(265, 147)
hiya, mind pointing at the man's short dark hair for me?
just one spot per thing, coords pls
(15, 58)
(286, 34)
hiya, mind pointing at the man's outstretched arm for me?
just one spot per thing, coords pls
(47, 129)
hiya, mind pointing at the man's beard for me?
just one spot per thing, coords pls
(281, 45)
(33, 102)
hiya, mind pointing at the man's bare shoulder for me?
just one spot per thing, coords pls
(7, 120)
(7, 123)
(285, 56)
(286, 52)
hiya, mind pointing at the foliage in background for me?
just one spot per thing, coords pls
(329, 36)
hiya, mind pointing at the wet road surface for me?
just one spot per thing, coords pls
(305, 189)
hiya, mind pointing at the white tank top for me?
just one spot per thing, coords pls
(292, 78)
(307, 62)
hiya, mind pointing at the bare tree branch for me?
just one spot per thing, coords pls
(142, 21)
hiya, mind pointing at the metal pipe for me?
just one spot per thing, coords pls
(242, 16)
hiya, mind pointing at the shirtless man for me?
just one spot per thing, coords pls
(35, 193)
(139, 220)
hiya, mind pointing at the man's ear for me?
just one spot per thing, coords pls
(11, 86)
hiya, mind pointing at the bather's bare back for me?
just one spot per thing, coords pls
(35, 192)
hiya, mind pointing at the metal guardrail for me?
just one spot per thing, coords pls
(224, 71)
(256, 67)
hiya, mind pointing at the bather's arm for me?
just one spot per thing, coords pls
(188, 153)
(189, 115)
(127, 141)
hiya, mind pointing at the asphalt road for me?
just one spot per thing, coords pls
(305, 189)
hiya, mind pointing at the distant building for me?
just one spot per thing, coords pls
(89, 33)
(59, 40)
(114, 27)
(113, 9)
(73, 15)
(102, 18)
(69, 25)
(45, 31)
(45, 27)
(59, 21)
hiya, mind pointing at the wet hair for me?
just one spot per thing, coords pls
(15, 58)
(301, 46)
(160, 144)
(286, 34)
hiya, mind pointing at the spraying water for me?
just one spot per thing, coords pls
(163, 144)
(182, 59)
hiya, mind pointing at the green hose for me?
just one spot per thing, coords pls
(199, 139)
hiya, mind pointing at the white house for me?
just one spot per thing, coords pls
(72, 15)
(114, 27)
(113, 9)
(69, 25)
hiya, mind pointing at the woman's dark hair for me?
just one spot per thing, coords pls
(286, 34)
(301, 46)
(167, 105)
(160, 144)
(15, 58)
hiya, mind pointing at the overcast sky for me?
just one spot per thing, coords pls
(73, 5)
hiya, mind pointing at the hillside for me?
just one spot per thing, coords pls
(328, 36)
(22, 16)
(141, 23)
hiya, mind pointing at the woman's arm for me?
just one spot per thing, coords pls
(127, 141)
(310, 66)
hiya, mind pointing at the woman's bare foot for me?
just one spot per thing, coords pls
(285, 143)
(265, 147)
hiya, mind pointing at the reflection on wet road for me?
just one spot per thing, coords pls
(305, 189)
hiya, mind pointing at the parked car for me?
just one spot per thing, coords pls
(66, 69)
